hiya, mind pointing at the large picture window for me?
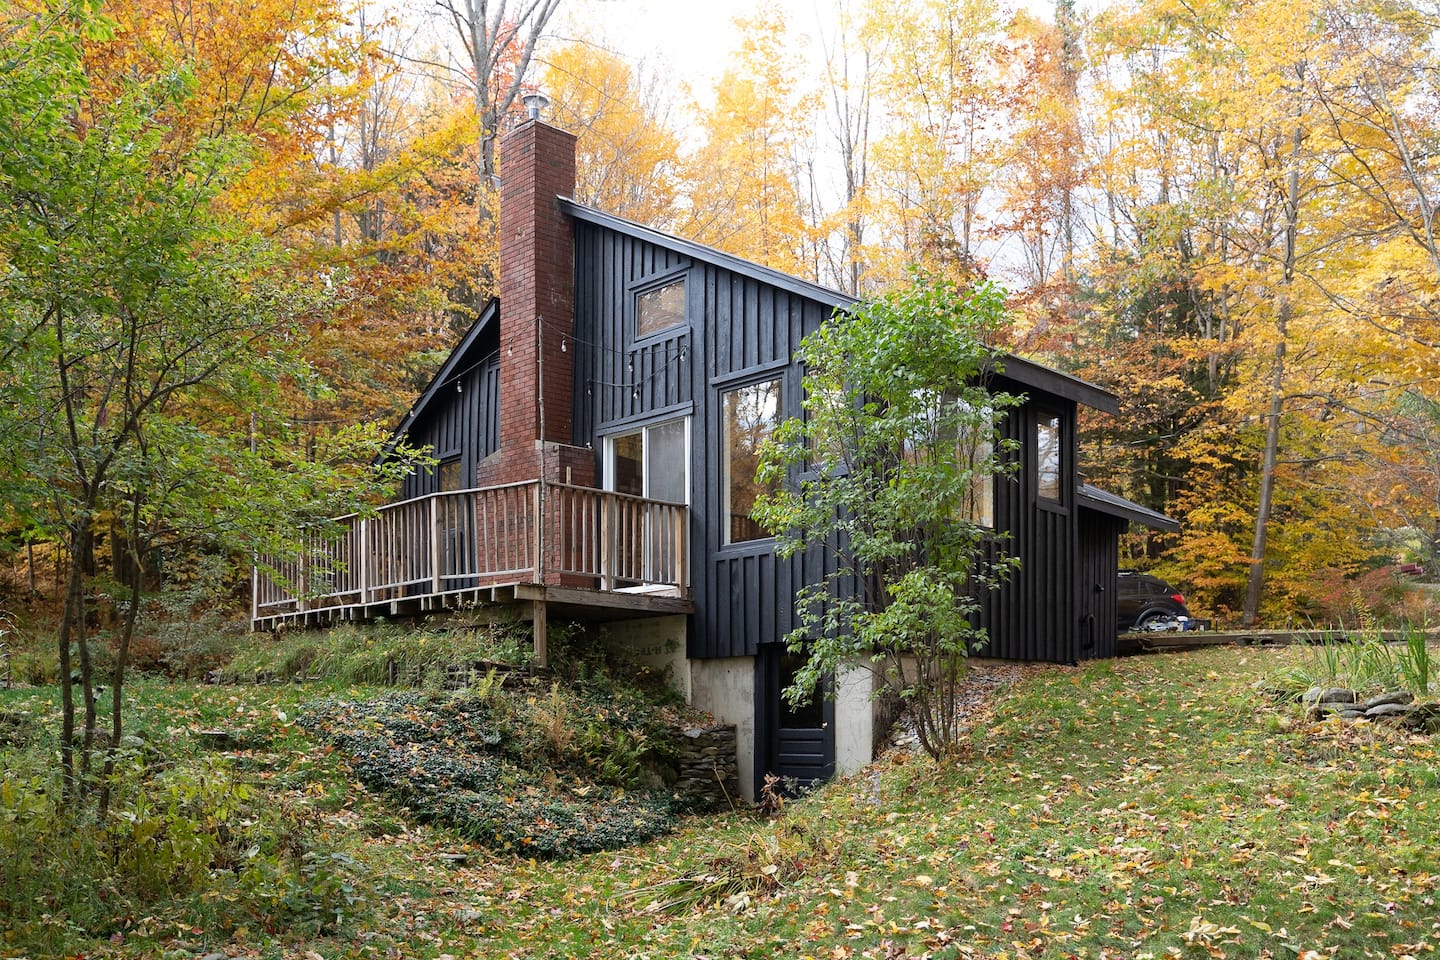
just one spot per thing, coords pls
(1049, 447)
(660, 308)
(751, 414)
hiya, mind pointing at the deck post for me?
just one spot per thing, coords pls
(362, 563)
(606, 577)
(539, 539)
(254, 593)
(680, 549)
(302, 582)
(435, 543)
(537, 616)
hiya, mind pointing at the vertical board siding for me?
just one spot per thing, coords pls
(462, 422)
(736, 326)
(1034, 616)
(1098, 583)
(617, 379)
(741, 330)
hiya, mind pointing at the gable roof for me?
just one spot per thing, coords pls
(699, 251)
(1103, 501)
(1025, 372)
(454, 366)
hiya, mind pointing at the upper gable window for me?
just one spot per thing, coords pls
(660, 308)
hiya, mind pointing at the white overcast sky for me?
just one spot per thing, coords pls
(689, 40)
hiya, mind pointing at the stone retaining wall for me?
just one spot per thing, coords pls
(709, 774)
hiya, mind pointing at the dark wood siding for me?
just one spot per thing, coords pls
(459, 423)
(1097, 585)
(739, 331)
(617, 377)
(1034, 616)
(744, 594)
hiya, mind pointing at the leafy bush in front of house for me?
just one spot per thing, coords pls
(898, 453)
(530, 765)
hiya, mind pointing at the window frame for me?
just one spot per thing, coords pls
(608, 461)
(779, 378)
(981, 506)
(1061, 502)
(443, 466)
(653, 285)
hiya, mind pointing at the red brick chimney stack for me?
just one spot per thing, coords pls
(537, 311)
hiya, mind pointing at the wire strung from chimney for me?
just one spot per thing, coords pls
(636, 387)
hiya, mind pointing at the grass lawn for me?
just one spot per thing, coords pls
(1146, 807)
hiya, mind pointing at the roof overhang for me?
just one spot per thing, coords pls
(1091, 497)
(453, 367)
(1030, 374)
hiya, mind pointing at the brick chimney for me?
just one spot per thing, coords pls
(537, 312)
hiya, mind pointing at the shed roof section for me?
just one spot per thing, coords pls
(1036, 376)
(481, 340)
(1093, 498)
(1027, 373)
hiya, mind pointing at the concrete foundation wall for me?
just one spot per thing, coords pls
(854, 720)
(657, 643)
(726, 688)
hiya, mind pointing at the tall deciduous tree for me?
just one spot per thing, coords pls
(744, 183)
(627, 155)
(851, 57)
(139, 319)
(947, 100)
(499, 40)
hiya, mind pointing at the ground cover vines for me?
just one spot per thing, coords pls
(506, 772)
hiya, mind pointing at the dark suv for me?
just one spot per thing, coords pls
(1149, 603)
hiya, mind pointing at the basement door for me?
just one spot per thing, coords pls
(799, 741)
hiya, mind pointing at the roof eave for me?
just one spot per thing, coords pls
(1103, 501)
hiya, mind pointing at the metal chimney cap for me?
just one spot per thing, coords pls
(534, 103)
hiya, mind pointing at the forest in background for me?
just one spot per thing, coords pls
(1223, 211)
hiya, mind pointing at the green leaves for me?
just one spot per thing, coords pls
(887, 476)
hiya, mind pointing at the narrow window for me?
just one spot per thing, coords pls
(449, 474)
(660, 308)
(751, 414)
(976, 452)
(1047, 458)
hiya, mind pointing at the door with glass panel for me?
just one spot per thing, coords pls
(651, 462)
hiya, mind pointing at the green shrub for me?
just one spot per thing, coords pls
(192, 840)
(378, 654)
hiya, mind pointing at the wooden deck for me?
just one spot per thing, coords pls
(581, 552)
(1160, 641)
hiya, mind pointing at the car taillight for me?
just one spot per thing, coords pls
(1178, 598)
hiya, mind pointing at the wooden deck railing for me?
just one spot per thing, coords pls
(532, 532)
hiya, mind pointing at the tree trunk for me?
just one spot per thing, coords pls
(72, 631)
(1255, 583)
(1256, 580)
(122, 659)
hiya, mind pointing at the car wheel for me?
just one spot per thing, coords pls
(1157, 622)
